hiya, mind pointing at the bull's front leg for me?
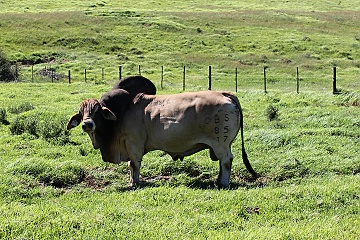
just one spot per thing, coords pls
(134, 167)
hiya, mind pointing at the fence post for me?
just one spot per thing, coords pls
(139, 70)
(236, 80)
(69, 77)
(85, 74)
(120, 72)
(16, 72)
(297, 79)
(265, 80)
(184, 76)
(162, 77)
(209, 77)
(52, 74)
(334, 81)
(32, 73)
(102, 74)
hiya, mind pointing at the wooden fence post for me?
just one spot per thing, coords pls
(334, 81)
(162, 77)
(32, 73)
(139, 70)
(69, 77)
(85, 74)
(236, 80)
(184, 76)
(297, 79)
(16, 72)
(52, 74)
(120, 72)
(209, 77)
(265, 80)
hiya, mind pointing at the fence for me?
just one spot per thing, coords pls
(276, 80)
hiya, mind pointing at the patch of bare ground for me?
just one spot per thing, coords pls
(96, 184)
(156, 178)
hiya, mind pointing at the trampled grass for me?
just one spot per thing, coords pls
(54, 185)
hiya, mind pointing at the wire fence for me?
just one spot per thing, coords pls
(183, 78)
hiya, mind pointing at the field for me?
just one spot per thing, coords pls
(54, 185)
(78, 35)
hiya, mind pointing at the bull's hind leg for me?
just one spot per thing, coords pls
(134, 167)
(225, 169)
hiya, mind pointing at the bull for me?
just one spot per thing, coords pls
(125, 127)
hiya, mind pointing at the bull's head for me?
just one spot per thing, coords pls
(91, 114)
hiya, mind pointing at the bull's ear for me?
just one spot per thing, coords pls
(108, 114)
(74, 121)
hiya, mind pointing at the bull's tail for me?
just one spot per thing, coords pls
(248, 166)
(244, 155)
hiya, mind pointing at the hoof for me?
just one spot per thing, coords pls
(219, 185)
(134, 186)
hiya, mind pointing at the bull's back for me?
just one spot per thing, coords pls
(175, 123)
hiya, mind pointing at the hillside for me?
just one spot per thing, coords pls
(248, 35)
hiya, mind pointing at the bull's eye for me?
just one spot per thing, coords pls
(95, 108)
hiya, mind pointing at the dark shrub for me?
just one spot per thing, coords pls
(7, 72)
(272, 113)
(3, 116)
(18, 127)
(25, 123)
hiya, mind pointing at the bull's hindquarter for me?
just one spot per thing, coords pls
(181, 125)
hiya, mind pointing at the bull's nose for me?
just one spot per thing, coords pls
(87, 126)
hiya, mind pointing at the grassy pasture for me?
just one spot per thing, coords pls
(53, 185)
(90, 35)
(307, 157)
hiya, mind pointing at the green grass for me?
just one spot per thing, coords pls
(159, 213)
(54, 185)
(307, 158)
(245, 35)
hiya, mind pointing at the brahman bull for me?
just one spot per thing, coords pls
(126, 128)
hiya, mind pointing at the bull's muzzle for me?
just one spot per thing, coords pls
(88, 126)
